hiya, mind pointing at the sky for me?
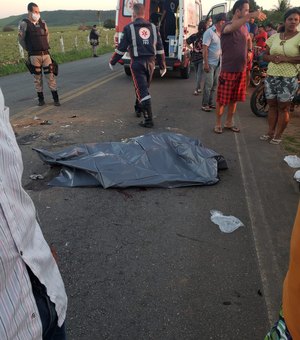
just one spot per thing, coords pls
(17, 7)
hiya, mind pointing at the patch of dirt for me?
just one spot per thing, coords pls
(291, 140)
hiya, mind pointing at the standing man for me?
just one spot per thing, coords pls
(34, 38)
(32, 294)
(94, 40)
(232, 79)
(144, 43)
(211, 61)
(168, 22)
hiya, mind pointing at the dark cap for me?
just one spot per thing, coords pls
(220, 17)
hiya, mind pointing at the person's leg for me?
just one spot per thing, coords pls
(208, 83)
(215, 77)
(272, 118)
(48, 72)
(197, 66)
(219, 113)
(283, 118)
(230, 113)
(36, 61)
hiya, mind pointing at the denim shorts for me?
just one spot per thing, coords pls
(282, 88)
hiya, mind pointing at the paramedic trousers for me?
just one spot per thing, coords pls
(142, 69)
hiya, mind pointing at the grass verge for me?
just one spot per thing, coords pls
(60, 58)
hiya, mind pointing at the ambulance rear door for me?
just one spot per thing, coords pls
(220, 8)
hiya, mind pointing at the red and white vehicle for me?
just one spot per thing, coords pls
(188, 15)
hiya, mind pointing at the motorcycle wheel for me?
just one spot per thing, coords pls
(258, 102)
(255, 77)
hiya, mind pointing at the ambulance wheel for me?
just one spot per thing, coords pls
(185, 71)
(127, 70)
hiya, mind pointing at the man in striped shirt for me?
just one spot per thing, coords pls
(33, 300)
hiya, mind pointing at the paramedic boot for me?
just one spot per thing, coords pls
(137, 108)
(41, 99)
(55, 98)
(147, 111)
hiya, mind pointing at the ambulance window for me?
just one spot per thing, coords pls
(128, 5)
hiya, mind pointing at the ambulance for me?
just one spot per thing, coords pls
(188, 16)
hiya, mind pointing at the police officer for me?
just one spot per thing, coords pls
(94, 40)
(144, 43)
(34, 38)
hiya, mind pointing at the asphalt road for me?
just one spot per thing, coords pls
(149, 263)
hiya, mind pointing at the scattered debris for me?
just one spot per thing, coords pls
(27, 139)
(36, 176)
(46, 122)
(227, 224)
(74, 116)
(65, 126)
(259, 292)
(292, 161)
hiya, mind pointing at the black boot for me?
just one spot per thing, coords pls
(41, 99)
(55, 98)
(138, 109)
(147, 111)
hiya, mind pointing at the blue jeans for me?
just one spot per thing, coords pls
(47, 311)
(198, 71)
(210, 84)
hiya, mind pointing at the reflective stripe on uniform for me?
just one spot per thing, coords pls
(119, 52)
(155, 37)
(133, 37)
(160, 52)
(146, 98)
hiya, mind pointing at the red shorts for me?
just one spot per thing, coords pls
(231, 87)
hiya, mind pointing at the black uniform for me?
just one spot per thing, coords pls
(143, 41)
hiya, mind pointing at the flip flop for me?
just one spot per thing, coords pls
(218, 129)
(275, 141)
(265, 137)
(232, 128)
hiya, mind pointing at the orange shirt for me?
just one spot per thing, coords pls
(291, 287)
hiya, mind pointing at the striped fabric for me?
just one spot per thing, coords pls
(21, 243)
(279, 330)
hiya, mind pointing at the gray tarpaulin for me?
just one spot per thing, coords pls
(165, 160)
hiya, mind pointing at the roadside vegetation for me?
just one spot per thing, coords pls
(75, 46)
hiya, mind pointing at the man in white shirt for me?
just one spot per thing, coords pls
(33, 300)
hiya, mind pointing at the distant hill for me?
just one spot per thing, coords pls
(64, 18)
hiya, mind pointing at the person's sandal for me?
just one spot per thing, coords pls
(275, 141)
(196, 93)
(265, 137)
(232, 128)
(218, 129)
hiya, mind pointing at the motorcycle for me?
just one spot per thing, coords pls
(259, 105)
(259, 67)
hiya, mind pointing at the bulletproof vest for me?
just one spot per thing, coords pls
(36, 36)
(144, 38)
(93, 35)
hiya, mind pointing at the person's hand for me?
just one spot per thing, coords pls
(259, 15)
(111, 66)
(206, 68)
(278, 58)
(162, 72)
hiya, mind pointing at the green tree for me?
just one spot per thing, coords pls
(283, 6)
(109, 23)
(253, 6)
